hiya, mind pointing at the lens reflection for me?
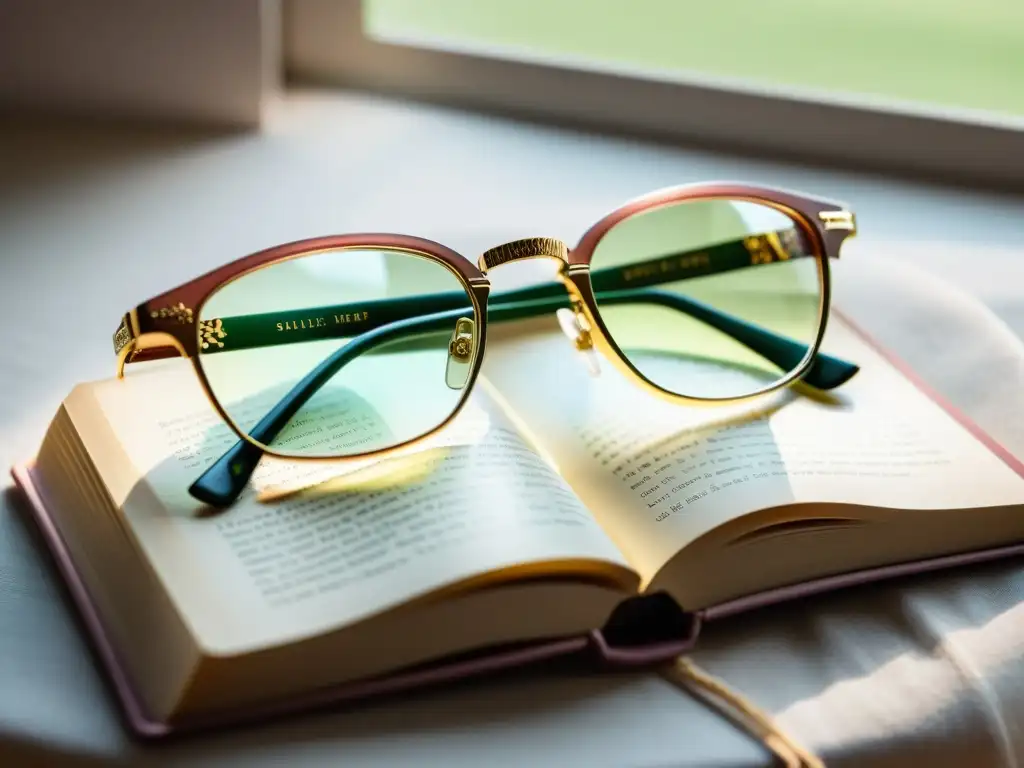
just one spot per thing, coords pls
(712, 299)
(340, 352)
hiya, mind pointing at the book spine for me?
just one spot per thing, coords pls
(645, 642)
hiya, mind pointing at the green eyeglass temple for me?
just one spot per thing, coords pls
(388, 321)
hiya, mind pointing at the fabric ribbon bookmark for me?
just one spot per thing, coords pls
(741, 711)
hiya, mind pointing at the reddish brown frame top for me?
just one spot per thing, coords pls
(807, 210)
(172, 311)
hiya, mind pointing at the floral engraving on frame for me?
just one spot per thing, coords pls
(178, 312)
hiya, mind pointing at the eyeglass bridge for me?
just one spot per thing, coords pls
(573, 322)
(528, 248)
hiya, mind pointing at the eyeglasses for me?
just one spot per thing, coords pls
(352, 346)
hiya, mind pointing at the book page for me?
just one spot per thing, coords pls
(474, 504)
(657, 475)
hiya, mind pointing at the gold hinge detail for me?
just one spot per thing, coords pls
(838, 220)
(121, 336)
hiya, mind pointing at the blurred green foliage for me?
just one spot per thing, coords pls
(959, 54)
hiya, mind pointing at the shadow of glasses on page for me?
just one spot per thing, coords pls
(664, 458)
(338, 420)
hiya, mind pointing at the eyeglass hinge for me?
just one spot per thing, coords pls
(122, 335)
(838, 220)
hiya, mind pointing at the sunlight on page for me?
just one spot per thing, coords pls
(479, 507)
(914, 688)
(470, 428)
(337, 420)
(638, 461)
(657, 475)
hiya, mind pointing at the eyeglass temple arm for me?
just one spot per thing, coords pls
(225, 479)
(222, 482)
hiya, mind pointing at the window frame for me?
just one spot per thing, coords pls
(325, 44)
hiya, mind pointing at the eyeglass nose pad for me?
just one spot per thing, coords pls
(461, 347)
(576, 328)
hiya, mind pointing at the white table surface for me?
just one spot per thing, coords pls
(94, 219)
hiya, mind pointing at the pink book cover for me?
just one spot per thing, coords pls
(597, 648)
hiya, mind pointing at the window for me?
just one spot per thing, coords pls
(941, 54)
(929, 87)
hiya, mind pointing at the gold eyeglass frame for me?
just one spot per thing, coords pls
(165, 326)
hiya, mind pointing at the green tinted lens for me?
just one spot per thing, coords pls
(340, 352)
(711, 299)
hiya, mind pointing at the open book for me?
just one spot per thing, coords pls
(532, 522)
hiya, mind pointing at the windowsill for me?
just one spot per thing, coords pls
(331, 161)
(815, 120)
